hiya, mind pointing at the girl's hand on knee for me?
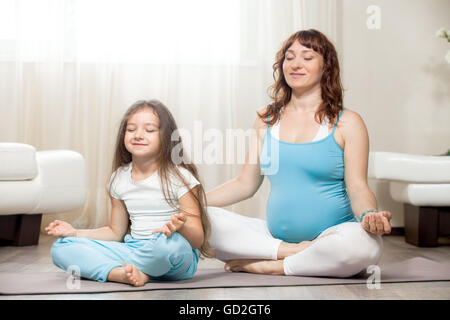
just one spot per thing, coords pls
(176, 222)
(61, 229)
(377, 222)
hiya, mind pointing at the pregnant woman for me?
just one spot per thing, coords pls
(322, 218)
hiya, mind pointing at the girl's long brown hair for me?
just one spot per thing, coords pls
(167, 167)
(330, 84)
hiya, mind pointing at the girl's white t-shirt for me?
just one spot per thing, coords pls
(145, 200)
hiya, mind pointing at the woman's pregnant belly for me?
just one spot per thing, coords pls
(294, 216)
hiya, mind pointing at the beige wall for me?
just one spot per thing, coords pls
(397, 79)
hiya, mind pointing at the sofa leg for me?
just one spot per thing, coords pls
(20, 229)
(28, 230)
(421, 225)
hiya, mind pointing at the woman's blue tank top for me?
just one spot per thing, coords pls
(307, 187)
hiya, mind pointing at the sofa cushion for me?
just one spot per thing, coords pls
(422, 194)
(17, 161)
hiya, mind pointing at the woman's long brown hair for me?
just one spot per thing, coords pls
(330, 83)
(167, 166)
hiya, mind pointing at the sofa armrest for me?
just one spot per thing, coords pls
(62, 175)
(409, 167)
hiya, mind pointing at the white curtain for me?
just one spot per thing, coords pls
(70, 68)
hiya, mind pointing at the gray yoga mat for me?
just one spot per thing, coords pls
(411, 270)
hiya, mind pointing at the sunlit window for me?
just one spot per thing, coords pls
(151, 31)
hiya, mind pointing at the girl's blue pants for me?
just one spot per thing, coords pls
(161, 258)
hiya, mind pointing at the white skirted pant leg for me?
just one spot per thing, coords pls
(234, 236)
(340, 251)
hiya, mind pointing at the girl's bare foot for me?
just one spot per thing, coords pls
(135, 276)
(129, 274)
(255, 266)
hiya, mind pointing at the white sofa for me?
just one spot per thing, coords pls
(33, 183)
(422, 184)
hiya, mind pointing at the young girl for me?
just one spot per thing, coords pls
(163, 201)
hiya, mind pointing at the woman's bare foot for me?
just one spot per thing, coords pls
(135, 276)
(287, 249)
(255, 266)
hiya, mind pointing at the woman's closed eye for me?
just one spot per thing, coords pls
(148, 130)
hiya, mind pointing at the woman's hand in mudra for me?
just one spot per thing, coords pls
(377, 222)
